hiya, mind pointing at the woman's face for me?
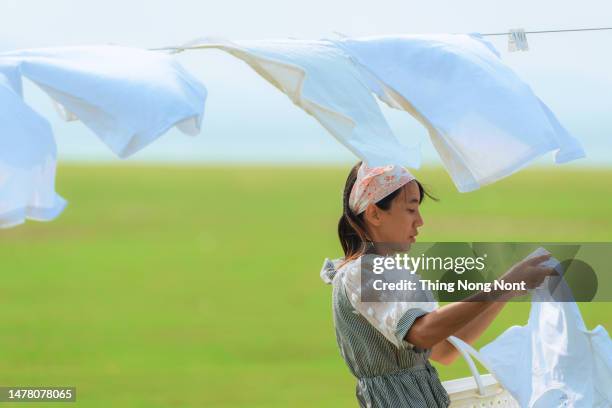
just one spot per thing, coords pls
(400, 223)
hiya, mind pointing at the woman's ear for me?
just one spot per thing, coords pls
(372, 215)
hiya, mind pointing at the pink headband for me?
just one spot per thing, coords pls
(375, 183)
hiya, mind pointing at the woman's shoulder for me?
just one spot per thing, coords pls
(330, 269)
(340, 266)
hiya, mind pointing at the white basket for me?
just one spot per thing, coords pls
(476, 391)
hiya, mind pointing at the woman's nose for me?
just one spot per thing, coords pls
(419, 221)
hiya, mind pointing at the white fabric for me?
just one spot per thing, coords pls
(484, 121)
(554, 360)
(320, 79)
(127, 97)
(27, 158)
(384, 316)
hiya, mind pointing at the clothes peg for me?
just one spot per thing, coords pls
(517, 40)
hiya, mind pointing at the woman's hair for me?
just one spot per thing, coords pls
(351, 227)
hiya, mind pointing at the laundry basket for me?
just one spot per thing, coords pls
(479, 390)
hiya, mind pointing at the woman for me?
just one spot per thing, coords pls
(387, 345)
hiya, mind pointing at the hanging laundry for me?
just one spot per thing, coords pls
(319, 78)
(127, 97)
(27, 158)
(484, 121)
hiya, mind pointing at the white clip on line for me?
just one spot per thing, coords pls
(517, 40)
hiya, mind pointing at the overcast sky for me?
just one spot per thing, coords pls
(249, 120)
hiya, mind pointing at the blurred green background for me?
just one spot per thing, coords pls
(199, 286)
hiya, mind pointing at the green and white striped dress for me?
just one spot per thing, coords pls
(390, 372)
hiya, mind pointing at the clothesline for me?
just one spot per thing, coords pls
(517, 39)
(553, 31)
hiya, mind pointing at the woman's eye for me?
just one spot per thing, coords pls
(410, 210)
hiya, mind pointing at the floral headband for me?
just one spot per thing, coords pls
(375, 183)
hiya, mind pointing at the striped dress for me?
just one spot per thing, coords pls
(390, 372)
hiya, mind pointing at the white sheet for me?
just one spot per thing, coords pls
(484, 121)
(27, 158)
(319, 78)
(128, 97)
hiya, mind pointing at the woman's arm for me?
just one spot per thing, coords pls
(445, 353)
(436, 326)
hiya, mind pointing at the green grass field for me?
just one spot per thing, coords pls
(199, 286)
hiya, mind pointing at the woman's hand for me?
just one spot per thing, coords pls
(528, 271)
